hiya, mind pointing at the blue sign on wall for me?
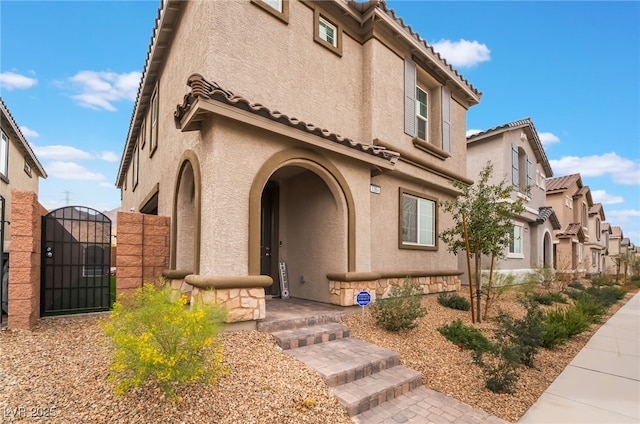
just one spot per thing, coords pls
(363, 298)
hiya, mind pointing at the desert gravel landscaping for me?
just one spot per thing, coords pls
(59, 369)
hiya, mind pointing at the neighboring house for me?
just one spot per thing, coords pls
(571, 200)
(518, 158)
(21, 170)
(606, 235)
(596, 247)
(615, 249)
(324, 136)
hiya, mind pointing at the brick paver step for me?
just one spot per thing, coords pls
(366, 393)
(268, 326)
(314, 334)
(424, 405)
(344, 360)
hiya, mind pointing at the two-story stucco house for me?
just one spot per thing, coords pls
(20, 169)
(518, 158)
(571, 200)
(596, 247)
(322, 136)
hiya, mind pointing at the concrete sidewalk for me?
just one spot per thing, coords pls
(602, 383)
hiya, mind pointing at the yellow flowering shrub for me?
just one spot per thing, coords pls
(156, 337)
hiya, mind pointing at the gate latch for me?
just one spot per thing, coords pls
(49, 252)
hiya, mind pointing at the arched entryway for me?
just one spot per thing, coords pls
(301, 215)
(547, 250)
(185, 240)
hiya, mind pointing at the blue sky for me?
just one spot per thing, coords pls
(69, 73)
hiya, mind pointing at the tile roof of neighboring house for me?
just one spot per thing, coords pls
(606, 227)
(527, 125)
(564, 182)
(616, 231)
(625, 242)
(572, 230)
(586, 192)
(547, 212)
(597, 209)
(23, 144)
(202, 88)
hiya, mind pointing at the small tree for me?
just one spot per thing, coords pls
(487, 210)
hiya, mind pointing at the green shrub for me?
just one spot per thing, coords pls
(454, 301)
(575, 284)
(157, 339)
(591, 308)
(522, 335)
(501, 370)
(561, 324)
(606, 295)
(467, 337)
(599, 281)
(548, 298)
(401, 309)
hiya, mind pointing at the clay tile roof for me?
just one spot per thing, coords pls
(392, 13)
(625, 242)
(564, 182)
(547, 212)
(201, 88)
(606, 227)
(574, 229)
(616, 231)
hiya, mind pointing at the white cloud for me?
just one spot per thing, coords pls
(463, 53)
(548, 138)
(27, 132)
(11, 80)
(601, 196)
(107, 185)
(61, 153)
(99, 90)
(72, 171)
(109, 157)
(622, 170)
(473, 132)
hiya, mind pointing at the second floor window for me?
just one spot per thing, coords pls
(4, 155)
(327, 31)
(421, 113)
(153, 142)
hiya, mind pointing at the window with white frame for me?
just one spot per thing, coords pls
(327, 31)
(580, 257)
(521, 170)
(594, 259)
(421, 113)
(515, 241)
(568, 201)
(278, 8)
(4, 155)
(418, 226)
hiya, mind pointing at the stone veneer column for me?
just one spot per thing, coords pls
(25, 259)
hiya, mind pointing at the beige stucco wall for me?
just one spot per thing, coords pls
(18, 179)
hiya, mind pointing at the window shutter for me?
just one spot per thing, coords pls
(515, 176)
(410, 97)
(529, 174)
(446, 120)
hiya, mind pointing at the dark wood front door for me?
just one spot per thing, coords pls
(269, 237)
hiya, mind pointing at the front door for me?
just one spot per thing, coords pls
(269, 238)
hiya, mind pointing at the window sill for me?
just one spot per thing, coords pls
(416, 247)
(430, 148)
(4, 178)
(283, 16)
(515, 256)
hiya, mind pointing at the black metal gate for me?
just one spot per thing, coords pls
(4, 270)
(76, 261)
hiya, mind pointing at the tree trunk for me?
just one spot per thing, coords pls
(486, 305)
(466, 242)
(478, 288)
